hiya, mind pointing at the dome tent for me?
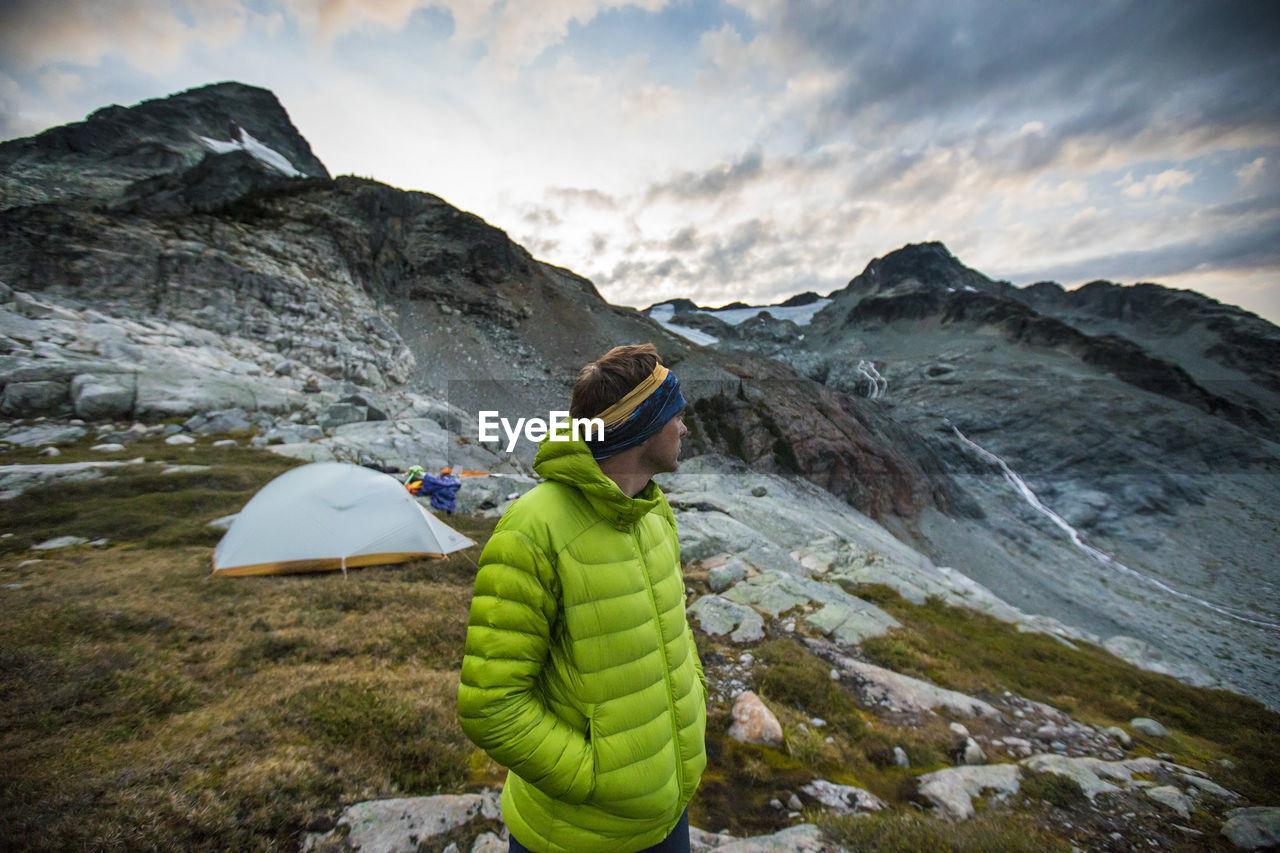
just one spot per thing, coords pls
(331, 515)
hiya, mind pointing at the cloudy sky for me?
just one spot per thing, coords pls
(747, 149)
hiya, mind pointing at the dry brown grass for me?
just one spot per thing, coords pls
(145, 705)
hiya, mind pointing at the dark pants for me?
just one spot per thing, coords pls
(676, 842)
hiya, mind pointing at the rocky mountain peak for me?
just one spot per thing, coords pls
(929, 265)
(115, 147)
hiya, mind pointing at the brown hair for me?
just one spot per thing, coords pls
(607, 380)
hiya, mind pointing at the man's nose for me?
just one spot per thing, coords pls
(683, 429)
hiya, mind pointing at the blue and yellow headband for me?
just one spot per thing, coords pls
(640, 414)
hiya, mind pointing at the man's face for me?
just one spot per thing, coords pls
(662, 451)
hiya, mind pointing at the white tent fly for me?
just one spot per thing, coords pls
(331, 515)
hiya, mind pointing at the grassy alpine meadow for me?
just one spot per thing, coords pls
(147, 705)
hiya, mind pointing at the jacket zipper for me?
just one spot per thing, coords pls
(666, 661)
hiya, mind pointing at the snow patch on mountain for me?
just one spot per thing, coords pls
(260, 151)
(663, 314)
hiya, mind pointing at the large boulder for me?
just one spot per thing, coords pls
(952, 790)
(401, 825)
(843, 799)
(717, 615)
(34, 398)
(40, 435)
(98, 396)
(884, 687)
(1254, 828)
(1149, 727)
(802, 838)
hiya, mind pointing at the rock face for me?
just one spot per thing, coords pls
(207, 209)
(100, 157)
(1100, 438)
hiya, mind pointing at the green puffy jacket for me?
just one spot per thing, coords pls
(581, 674)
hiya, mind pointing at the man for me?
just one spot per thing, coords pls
(581, 674)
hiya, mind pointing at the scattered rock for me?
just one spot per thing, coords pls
(845, 618)
(843, 799)
(488, 842)
(952, 790)
(753, 722)
(717, 615)
(725, 575)
(226, 443)
(109, 447)
(1081, 771)
(179, 439)
(1119, 734)
(802, 838)
(972, 754)
(59, 542)
(1253, 828)
(759, 492)
(339, 414)
(1148, 726)
(880, 686)
(401, 825)
(1208, 786)
(1168, 795)
(900, 757)
(17, 479)
(228, 420)
(42, 434)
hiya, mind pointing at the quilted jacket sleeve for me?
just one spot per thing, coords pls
(499, 704)
(670, 518)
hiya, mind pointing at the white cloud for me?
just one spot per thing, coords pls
(725, 50)
(20, 116)
(1250, 172)
(60, 83)
(151, 37)
(1169, 180)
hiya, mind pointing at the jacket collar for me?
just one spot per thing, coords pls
(570, 462)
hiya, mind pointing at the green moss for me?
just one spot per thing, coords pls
(790, 674)
(990, 831)
(1054, 788)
